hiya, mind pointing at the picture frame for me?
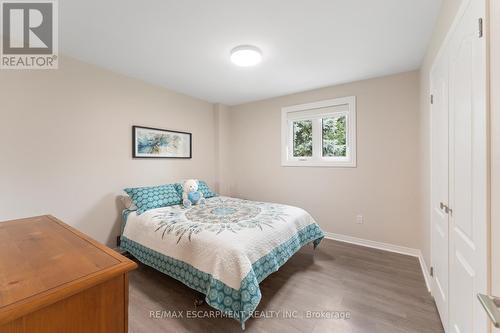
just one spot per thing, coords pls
(151, 142)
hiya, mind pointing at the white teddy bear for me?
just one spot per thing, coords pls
(190, 194)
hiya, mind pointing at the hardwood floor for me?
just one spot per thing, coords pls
(382, 292)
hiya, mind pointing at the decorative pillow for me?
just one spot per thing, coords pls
(203, 188)
(146, 198)
(179, 189)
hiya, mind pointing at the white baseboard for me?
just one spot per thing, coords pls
(425, 271)
(385, 247)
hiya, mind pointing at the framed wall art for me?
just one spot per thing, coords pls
(151, 142)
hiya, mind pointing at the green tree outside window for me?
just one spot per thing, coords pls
(334, 137)
(302, 138)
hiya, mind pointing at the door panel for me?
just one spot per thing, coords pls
(468, 172)
(439, 185)
(495, 148)
(462, 140)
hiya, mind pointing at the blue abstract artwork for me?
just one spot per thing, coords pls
(158, 143)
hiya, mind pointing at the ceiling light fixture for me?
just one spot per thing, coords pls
(246, 55)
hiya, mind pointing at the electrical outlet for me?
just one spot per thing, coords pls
(360, 219)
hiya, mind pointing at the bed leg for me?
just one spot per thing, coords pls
(198, 301)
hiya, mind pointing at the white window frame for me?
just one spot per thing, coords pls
(315, 112)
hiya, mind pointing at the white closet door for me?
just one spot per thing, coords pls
(468, 171)
(439, 185)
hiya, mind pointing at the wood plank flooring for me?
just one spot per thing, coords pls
(382, 291)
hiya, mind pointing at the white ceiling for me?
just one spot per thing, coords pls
(184, 44)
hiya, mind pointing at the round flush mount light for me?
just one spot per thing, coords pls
(246, 55)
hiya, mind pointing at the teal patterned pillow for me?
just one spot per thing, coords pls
(179, 189)
(146, 198)
(202, 187)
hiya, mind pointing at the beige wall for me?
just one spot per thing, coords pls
(223, 142)
(447, 14)
(66, 143)
(384, 185)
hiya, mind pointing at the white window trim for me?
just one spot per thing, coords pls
(316, 160)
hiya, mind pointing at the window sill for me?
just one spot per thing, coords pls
(320, 164)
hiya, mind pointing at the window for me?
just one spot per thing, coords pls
(320, 134)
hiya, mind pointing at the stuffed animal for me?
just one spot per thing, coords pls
(190, 194)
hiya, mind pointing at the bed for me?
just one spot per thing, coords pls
(222, 249)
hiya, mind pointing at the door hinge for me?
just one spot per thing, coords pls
(431, 271)
(481, 27)
(432, 99)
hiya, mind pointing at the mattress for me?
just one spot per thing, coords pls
(222, 249)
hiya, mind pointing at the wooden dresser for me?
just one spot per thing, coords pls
(55, 279)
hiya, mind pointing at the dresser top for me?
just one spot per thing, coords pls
(43, 260)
